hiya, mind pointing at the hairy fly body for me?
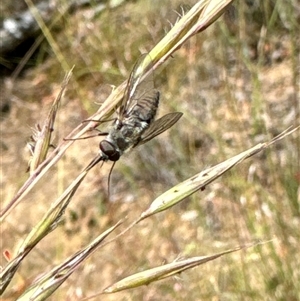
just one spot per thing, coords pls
(135, 122)
(127, 131)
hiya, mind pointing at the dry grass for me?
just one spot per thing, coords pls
(237, 84)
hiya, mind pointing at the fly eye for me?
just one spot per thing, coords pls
(109, 150)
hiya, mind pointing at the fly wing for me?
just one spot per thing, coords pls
(136, 88)
(159, 126)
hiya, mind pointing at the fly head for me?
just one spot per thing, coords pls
(109, 150)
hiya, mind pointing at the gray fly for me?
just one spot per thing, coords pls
(135, 124)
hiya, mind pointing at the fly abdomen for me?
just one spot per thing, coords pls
(145, 108)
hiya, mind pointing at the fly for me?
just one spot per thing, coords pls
(135, 124)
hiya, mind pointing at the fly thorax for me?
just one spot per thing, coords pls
(121, 139)
(127, 132)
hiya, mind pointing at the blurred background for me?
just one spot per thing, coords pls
(237, 84)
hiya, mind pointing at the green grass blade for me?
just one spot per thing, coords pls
(177, 193)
